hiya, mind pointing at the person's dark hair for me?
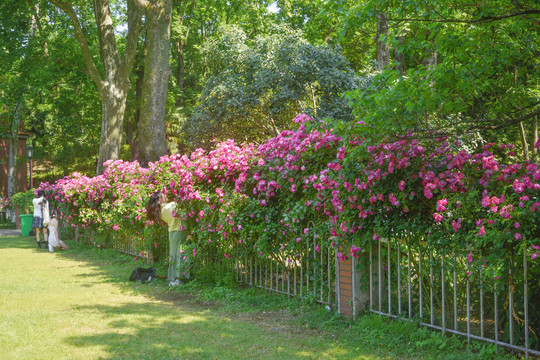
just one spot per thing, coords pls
(153, 209)
(41, 193)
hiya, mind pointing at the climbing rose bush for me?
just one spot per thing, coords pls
(319, 180)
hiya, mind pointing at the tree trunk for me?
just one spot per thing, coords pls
(132, 128)
(113, 85)
(381, 38)
(113, 107)
(430, 59)
(399, 57)
(152, 143)
(13, 147)
(180, 43)
(523, 137)
(180, 73)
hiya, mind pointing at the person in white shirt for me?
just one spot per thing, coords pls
(54, 239)
(41, 214)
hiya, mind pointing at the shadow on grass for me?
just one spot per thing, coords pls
(172, 326)
(153, 331)
(146, 331)
(18, 242)
(179, 327)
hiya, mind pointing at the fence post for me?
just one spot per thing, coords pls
(352, 297)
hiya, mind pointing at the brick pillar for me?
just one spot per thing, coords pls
(352, 297)
(345, 287)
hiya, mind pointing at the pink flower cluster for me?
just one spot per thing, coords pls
(242, 198)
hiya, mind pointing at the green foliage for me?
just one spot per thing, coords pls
(486, 60)
(58, 104)
(22, 202)
(257, 87)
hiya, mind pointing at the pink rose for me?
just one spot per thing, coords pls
(441, 204)
(438, 217)
(482, 231)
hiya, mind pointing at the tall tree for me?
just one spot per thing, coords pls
(41, 78)
(381, 39)
(17, 65)
(257, 87)
(183, 28)
(112, 83)
(152, 144)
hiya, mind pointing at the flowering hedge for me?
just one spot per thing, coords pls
(238, 199)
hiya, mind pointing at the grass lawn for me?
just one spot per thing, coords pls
(80, 305)
(7, 225)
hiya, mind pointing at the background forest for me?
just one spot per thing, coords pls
(102, 80)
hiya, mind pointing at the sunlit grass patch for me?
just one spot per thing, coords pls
(79, 304)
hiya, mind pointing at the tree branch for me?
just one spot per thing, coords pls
(107, 40)
(474, 128)
(474, 21)
(135, 11)
(143, 3)
(91, 69)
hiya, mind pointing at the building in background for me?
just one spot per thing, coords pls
(22, 164)
(22, 183)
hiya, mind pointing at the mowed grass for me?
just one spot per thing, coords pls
(65, 305)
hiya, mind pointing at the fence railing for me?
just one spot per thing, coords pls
(131, 245)
(121, 242)
(438, 288)
(443, 291)
(311, 273)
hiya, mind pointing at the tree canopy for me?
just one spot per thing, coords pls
(455, 69)
(235, 69)
(255, 88)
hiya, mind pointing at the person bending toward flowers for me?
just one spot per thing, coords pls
(41, 211)
(54, 239)
(179, 261)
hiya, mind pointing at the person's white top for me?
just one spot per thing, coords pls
(37, 206)
(53, 230)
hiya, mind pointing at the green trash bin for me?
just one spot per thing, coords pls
(26, 224)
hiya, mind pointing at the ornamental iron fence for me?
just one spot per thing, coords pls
(456, 293)
(442, 289)
(309, 273)
(132, 245)
(437, 288)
